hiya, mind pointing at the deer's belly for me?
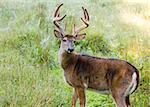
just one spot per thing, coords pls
(99, 91)
(99, 85)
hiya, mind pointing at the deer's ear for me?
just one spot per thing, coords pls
(80, 36)
(58, 34)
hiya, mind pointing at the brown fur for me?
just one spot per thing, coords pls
(98, 73)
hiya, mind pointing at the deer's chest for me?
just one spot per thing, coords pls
(68, 79)
(73, 80)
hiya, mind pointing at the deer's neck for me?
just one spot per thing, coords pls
(66, 59)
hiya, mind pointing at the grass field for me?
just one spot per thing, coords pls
(30, 75)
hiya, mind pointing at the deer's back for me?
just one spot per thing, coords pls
(99, 73)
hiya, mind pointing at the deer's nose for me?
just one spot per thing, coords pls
(70, 50)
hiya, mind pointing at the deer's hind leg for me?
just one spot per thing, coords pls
(119, 99)
(122, 101)
(118, 93)
(127, 101)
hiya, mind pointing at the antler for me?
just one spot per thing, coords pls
(57, 19)
(85, 20)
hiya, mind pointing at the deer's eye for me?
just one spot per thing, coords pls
(64, 40)
(74, 41)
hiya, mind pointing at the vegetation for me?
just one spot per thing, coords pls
(30, 75)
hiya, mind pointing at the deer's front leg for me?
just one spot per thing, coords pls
(81, 95)
(74, 98)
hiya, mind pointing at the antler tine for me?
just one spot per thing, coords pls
(87, 15)
(57, 18)
(56, 12)
(85, 20)
(84, 12)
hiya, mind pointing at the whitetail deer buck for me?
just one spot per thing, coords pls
(82, 72)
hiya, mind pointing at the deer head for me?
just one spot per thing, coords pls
(67, 40)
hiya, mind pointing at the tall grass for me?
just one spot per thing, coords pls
(29, 71)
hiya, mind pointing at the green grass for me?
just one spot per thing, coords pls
(30, 75)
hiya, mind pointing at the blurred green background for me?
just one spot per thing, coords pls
(30, 75)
